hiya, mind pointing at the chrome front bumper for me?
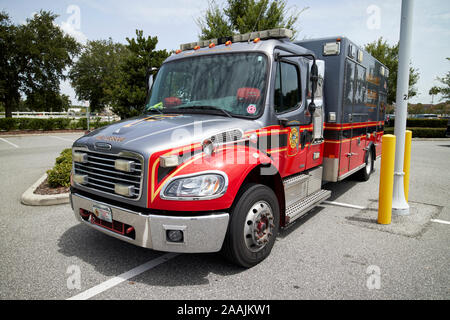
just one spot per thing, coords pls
(201, 233)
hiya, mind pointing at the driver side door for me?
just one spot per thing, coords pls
(288, 105)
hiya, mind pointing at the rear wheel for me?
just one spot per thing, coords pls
(253, 227)
(364, 173)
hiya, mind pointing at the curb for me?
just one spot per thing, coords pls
(29, 198)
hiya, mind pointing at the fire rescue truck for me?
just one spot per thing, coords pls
(237, 138)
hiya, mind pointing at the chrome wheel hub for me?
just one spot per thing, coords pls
(259, 226)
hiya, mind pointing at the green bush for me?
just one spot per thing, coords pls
(8, 124)
(23, 123)
(422, 132)
(427, 123)
(423, 123)
(59, 176)
(35, 124)
(82, 123)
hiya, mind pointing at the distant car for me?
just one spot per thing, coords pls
(427, 116)
(389, 119)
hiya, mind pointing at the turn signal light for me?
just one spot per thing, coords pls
(124, 190)
(124, 165)
(169, 161)
(80, 157)
(80, 178)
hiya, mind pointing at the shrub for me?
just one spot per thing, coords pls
(82, 123)
(61, 123)
(59, 175)
(8, 124)
(35, 124)
(422, 123)
(422, 132)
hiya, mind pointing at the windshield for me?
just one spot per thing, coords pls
(227, 84)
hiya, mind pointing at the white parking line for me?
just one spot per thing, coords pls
(123, 277)
(63, 139)
(14, 145)
(339, 204)
(440, 221)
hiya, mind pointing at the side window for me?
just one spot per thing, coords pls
(360, 95)
(287, 88)
(349, 82)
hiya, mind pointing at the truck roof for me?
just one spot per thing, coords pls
(265, 46)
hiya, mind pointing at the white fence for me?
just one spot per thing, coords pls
(72, 115)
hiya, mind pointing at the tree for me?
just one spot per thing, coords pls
(416, 108)
(33, 58)
(444, 90)
(388, 55)
(243, 16)
(47, 100)
(11, 64)
(130, 90)
(97, 67)
(434, 91)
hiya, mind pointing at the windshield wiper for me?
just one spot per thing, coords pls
(153, 109)
(206, 108)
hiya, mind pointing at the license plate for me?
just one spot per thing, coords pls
(102, 212)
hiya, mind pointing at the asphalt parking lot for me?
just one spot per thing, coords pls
(329, 254)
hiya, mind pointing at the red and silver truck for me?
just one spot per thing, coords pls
(237, 138)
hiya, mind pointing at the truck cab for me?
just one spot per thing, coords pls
(235, 141)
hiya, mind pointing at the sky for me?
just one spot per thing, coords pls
(174, 23)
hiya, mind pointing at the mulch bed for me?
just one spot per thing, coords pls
(45, 189)
(16, 132)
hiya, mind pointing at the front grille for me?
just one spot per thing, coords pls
(102, 176)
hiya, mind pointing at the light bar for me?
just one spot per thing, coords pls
(332, 48)
(263, 35)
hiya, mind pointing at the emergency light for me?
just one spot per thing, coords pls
(260, 35)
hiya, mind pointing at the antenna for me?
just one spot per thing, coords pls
(257, 20)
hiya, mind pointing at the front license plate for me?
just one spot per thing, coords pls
(102, 212)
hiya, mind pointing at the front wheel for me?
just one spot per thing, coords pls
(253, 227)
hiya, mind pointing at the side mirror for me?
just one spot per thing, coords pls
(149, 78)
(314, 79)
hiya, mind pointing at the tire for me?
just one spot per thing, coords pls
(253, 226)
(364, 173)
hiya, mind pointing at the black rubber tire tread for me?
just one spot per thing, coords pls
(234, 248)
(362, 174)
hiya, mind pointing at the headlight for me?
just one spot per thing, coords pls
(201, 186)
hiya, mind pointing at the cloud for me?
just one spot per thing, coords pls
(70, 29)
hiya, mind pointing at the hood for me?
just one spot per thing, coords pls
(149, 133)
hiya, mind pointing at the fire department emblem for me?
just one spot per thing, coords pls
(293, 138)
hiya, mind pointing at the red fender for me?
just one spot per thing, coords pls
(234, 160)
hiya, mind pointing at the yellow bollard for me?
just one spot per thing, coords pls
(407, 162)
(386, 179)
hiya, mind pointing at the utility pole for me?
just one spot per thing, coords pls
(399, 204)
